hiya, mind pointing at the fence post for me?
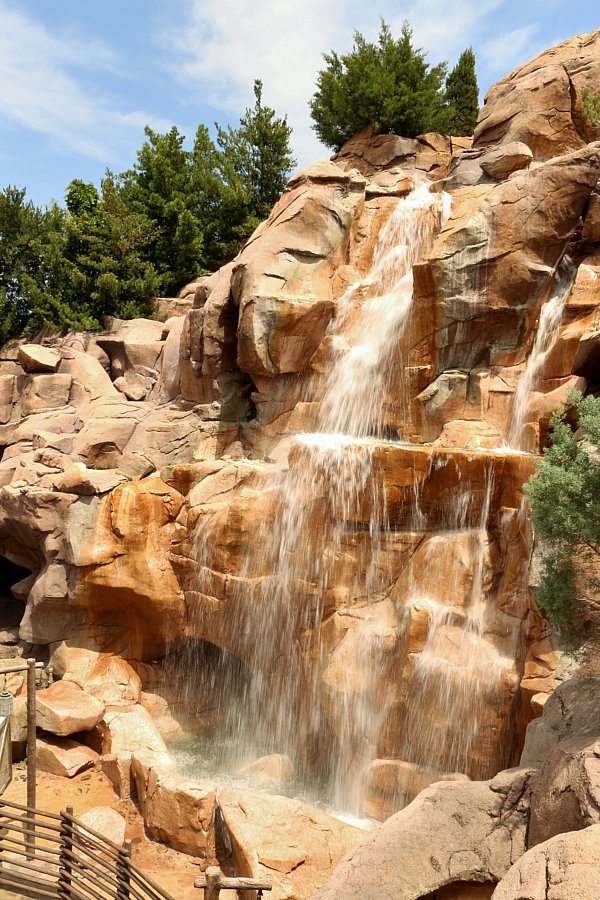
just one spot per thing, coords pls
(31, 758)
(64, 859)
(213, 883)
(123, 874)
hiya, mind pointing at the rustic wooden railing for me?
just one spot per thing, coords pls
(213, 882)
(44, 855)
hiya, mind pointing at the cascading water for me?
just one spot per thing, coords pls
(318, 545)
(316, 613)
(457, 671)
(546, 336)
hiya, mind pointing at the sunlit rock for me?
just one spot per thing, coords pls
(64, 708)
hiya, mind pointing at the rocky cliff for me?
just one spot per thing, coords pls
(310, 488)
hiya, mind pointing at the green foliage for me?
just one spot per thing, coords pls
(563, 496)
(32, 266)
(159, 189)
(462, 96)
(175, 214)
(388, 85)
(104, 249)
(82, 199)
(205, 202)
(254, 161)
(591, 108)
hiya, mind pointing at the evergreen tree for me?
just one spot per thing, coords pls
(462, 96)
(388, 85)
(563, 497)
(159, 187)
(109, 274)
(32, 266)
(254, 161)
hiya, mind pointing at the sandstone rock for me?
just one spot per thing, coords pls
(88, 373)
(294, 844)
(113, 681)
(63, 756)
(591, 226)
(176, 810)
(132, 731)
(451, 832)
(370, 153)
(562, 868)
(275, 768)
(281, 280)
(105, 821)
(118, 770)
(488, 286)
(36, 358)
(505, 160)
(564, 743)
(516, 107)
(470, 435)
(44, 392)
(78, 479)
(64, 708)
(390, 783)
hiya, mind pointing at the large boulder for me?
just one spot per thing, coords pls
(106, 821)
(516, 107)
(177, 811)
(564, 744)
(64, 708)
(294, 844)
(562, 868)
(453, 832)
(63, 756)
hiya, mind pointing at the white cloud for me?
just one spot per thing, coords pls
(39, 91)
(225, 44)
(508, 50)
(228, 43)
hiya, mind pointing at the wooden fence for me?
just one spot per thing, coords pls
(43, 855)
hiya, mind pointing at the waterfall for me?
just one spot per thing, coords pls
(327, 539)
(315, 610)
(457, 676)
(329, 478)
(545, 339)
(372, 315)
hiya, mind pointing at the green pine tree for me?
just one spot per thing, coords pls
(254, 161)
(107, 240)
(462, 96)
(563, 497)
(388, 85)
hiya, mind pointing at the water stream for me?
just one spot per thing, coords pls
(316, 623)
(546, 336)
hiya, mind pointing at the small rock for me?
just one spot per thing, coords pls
(276, 768)
(106, 821)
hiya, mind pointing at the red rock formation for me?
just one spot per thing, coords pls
(146, 473)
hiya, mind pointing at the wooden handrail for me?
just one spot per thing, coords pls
(69, 861)
(213, 882)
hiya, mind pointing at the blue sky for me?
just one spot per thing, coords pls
(80, 79)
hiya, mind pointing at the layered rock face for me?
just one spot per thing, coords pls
(307, 466)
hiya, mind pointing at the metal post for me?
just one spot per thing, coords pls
(31, 754)
(123, 875)
(64, 859)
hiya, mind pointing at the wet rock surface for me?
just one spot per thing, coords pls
(146, 475)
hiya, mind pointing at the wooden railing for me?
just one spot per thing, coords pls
(43, 855)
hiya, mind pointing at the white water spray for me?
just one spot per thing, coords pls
(546, 336)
